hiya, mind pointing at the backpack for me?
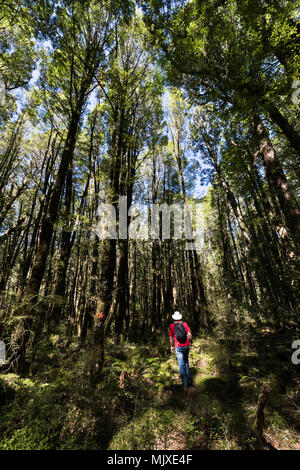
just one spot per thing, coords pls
(180, 332)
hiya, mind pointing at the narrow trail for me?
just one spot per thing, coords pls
(217, 411)
(140, 403)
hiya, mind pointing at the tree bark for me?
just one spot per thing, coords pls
(279, 184)
(23, 332)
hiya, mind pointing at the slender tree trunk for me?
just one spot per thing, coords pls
(200, 308)
(279, 184)
(290, 133)
(108, 254)
(23, 332)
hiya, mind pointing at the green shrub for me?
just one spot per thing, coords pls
(145, 431)
(27, 438)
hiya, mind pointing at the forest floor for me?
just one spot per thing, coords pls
(140, 404)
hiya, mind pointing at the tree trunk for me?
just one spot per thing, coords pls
(23, 332)
(279, 184)
(283, 124)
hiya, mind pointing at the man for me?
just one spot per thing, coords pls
(181, 334)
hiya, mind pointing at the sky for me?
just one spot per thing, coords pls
(199, 190)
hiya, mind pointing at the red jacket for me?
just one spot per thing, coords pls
(172, 333)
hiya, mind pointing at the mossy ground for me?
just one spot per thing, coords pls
(139, 403)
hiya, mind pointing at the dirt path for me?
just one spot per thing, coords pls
(218, 413)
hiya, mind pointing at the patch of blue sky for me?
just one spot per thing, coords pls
(198, 189)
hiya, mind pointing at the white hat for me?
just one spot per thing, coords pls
(177, 316)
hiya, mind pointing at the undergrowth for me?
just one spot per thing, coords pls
(139, 402)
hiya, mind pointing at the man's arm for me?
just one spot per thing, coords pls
(171, 343)
(189, 334)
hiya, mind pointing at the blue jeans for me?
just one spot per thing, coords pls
(182, 354)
